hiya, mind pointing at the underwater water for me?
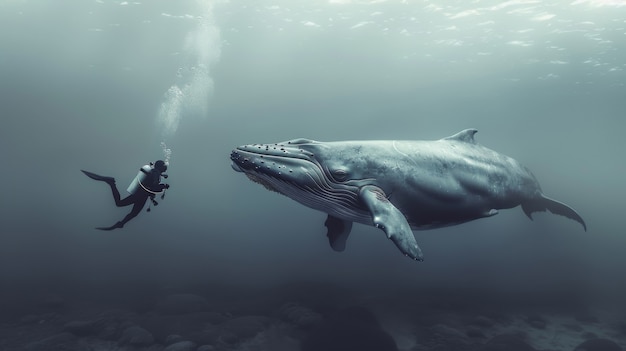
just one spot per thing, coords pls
(223, 264)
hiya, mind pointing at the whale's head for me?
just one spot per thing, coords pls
(313, 173)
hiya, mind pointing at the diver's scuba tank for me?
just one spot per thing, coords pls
(141, 177)
(145, 181)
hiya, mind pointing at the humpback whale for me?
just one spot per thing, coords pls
(396, 186)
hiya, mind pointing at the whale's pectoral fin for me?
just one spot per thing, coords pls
(388, 218)
(543, 203)
(338, 232)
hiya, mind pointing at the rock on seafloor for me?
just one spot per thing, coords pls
(181, 346)
(598, 344)
(353, 328)
(136, 336)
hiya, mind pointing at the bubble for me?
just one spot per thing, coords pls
(167, 153)
(191, 93)
(170, 112)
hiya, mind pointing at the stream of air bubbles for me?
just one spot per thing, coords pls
(190, 94)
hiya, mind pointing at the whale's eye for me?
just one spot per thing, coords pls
(340, 174)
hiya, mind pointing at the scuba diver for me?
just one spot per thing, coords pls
(146, 185)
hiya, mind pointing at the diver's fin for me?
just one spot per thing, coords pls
(388, 218)
(338, 232)
(114, 226)
(99, 177)
(543, 203)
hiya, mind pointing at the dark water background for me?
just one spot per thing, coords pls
(82, 84)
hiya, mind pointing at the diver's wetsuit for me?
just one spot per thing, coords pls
(138, 199)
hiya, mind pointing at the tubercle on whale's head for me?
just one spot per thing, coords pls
(277, 159)
(291, 162)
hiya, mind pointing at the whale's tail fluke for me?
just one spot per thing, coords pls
(543, 203)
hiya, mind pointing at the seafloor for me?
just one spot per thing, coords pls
(304, 316)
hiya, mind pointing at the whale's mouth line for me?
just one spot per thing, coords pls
(277, 152)
(311, 185)
(269, 182)
(235, 166)
(318, 194)
(275, 183)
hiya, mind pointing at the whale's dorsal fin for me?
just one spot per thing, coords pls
(466, 135)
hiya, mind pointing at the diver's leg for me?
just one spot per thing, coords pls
(128, 200)
(111, 182)
(137, 207)
(116, 193)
